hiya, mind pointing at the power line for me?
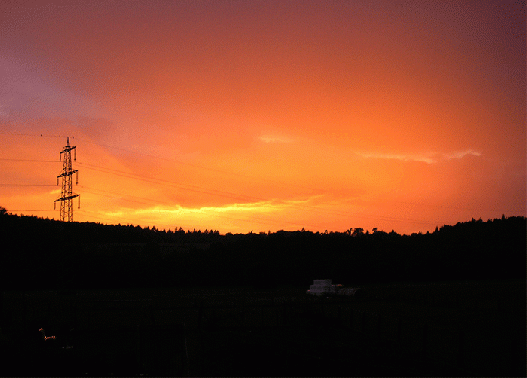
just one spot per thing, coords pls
(9, 210)
(189, 187)
(31, 160)
(26, 185)
(34, 135)
(211, 192)
(236, 196)
(116, 195)
(215, 170)
(194, 188)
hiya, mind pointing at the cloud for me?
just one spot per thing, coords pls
(275, 139)
(461, 154)
(205, 210)
(255, 207)
(259, 213)
(403, 157)
(429, 158)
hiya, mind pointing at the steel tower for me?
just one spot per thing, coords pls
(67, 195)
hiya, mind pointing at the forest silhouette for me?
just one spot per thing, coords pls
(47, 254)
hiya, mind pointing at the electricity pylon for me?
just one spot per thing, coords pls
(67, 195)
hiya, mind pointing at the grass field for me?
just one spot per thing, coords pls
(447, 328)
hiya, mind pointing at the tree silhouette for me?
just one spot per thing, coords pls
(57, 254)
(357, 232)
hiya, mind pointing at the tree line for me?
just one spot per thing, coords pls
(40, 253)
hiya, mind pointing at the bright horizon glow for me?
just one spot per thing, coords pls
(266, 115)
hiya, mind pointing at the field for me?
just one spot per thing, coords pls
(446, 328)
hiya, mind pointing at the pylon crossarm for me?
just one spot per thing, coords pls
(68, 148)
(69, 173)
(65, 198)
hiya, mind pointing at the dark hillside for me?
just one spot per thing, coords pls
(124, 300)
(40, 253)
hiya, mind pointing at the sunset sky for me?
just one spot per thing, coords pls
(254, 115)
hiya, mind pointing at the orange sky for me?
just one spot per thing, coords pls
(266, 115)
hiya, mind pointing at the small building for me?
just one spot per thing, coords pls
(326, 287)
(322, 287)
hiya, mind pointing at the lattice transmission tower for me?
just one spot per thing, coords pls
(67, 195)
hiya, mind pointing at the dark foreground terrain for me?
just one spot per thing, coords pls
(45, 254)
(473, 328)
(125, 300)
